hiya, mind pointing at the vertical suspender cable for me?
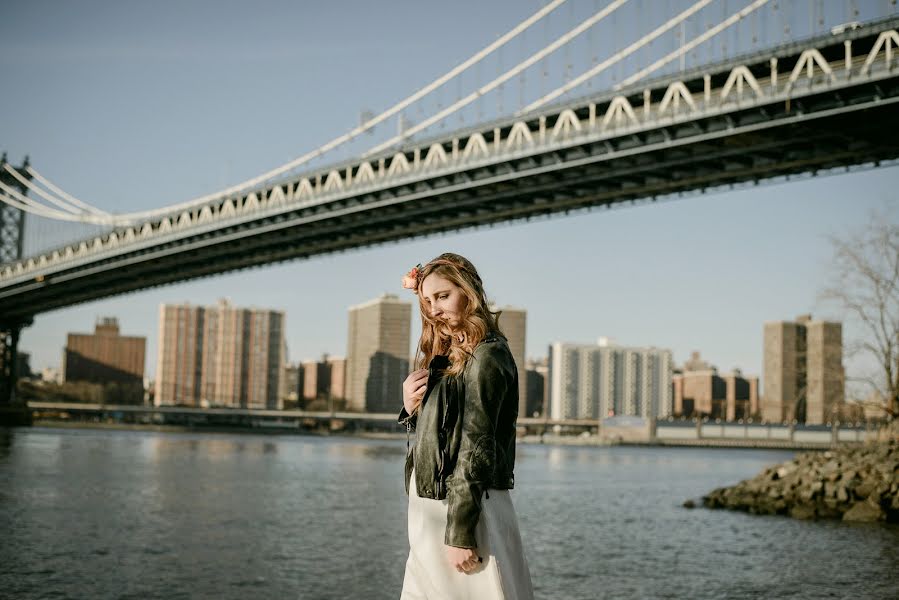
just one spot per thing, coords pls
(620, 55)
(530, 61)
(710, 33)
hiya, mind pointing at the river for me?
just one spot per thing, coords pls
(93, 513)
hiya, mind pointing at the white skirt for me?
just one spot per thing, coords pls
(504, 573)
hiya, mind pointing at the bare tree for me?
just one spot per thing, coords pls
(865, 284)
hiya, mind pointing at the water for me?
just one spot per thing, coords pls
(133, 514)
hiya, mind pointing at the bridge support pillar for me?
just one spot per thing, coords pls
(12, 411)
(12, 220)
(12, 238)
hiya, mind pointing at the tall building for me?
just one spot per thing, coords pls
(104, 356)
(699, 390)
(513, 322)
(292, 390)
(338, 377)
(803, 370)
(179, 356)
(377, 359)
(323, 378)
(595, 381)
(537, 380)
(220, 356)
(283, 389)
(824, 371)
(316, 379)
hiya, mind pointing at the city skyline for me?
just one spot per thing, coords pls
(292, 358)
(582, 381)
(697, 273)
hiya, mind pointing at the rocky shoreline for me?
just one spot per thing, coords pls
(859, 483)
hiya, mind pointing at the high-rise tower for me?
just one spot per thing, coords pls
(377, 359)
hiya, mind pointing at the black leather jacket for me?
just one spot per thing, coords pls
(465, 435)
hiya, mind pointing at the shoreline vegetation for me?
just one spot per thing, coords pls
(854, 483)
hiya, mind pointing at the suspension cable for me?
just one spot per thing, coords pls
(564, 39)
(616, 57)
(49, 185)
(15, 199)
(40, 192)
(695, 42)
(540, 14)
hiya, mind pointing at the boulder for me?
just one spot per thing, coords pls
(864, 511)
(803, 511)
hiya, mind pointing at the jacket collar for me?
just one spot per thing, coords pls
(492, 336)
(439, 362)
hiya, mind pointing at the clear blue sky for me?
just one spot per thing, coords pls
(136, 105)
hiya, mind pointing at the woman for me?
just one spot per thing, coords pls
(462, 403)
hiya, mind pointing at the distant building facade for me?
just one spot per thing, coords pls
(803, 371)
(104, 356)
(338, 377)
(513, 322)
(51, 375)
(872, 409)
(220, 356)
(537, 379)
(316, 379)
(377, 359)
(699, 390)
(323, 379)
(23, 365)
(292, 389)
(596, 381)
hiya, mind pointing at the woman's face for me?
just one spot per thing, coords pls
(443, 298)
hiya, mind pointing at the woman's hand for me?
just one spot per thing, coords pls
(414, 389)
(463, 560)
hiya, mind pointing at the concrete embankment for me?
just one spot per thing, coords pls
(858, 483)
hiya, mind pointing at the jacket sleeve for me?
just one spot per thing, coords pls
(407, 420)
(485, 384)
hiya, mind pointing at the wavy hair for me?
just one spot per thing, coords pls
(476, 319)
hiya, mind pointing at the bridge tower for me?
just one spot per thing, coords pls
(12, 238)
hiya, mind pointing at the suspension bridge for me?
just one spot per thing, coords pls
(823, 102)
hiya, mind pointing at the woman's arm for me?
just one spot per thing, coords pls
(486, 383)
(414, 388)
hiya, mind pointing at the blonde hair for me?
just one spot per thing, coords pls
(476, 319)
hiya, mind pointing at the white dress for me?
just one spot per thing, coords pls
(504, 573)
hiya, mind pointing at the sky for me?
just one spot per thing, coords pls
(132, 106)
